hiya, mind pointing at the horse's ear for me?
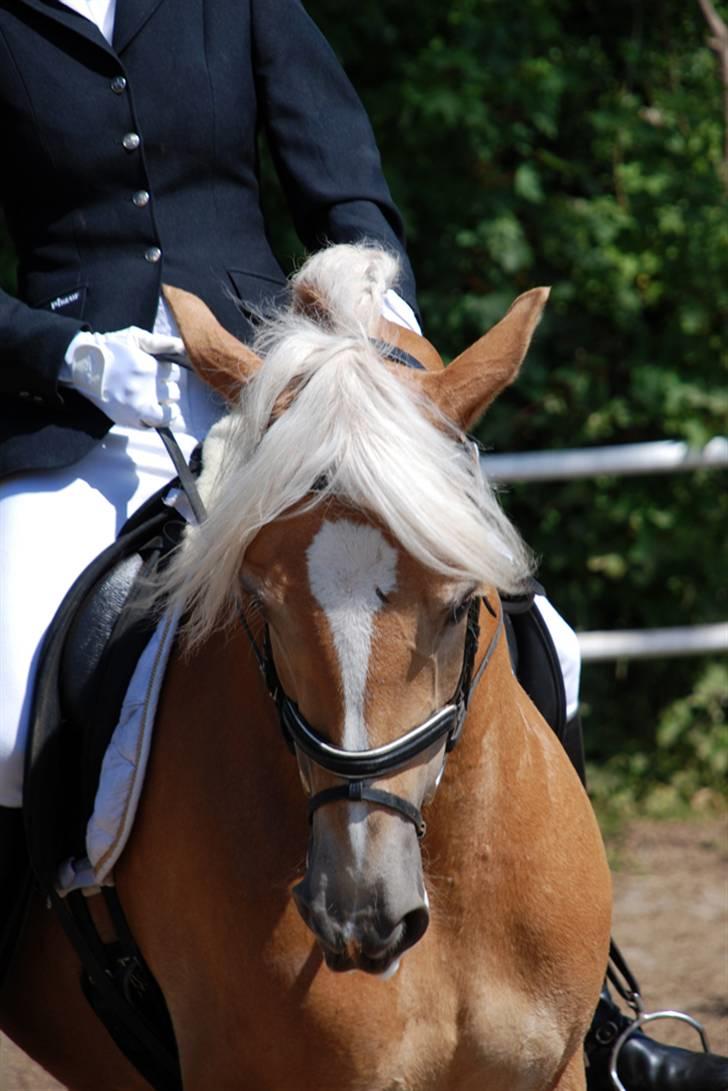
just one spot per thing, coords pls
(465, 389)
(222, 361)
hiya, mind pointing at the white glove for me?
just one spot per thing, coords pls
(118, 372)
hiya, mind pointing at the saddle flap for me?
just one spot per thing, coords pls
(89, 634)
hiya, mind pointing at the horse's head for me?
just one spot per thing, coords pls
(367, 643)
(348, 510)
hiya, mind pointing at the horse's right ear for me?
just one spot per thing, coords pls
(465, 389)
(222, 361)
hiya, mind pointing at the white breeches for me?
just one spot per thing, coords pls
(52, 524)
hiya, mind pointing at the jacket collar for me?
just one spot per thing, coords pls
(59, 13)
(131, 15)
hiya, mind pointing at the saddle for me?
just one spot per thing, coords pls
(87, 660)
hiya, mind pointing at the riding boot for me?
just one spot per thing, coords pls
(15, 880)
(644, 1064)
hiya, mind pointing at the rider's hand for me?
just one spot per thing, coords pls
(118, 372)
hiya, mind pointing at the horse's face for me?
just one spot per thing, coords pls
(368, 644)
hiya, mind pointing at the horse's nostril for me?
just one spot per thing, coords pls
(415, 926)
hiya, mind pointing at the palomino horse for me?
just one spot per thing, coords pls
(353, 551)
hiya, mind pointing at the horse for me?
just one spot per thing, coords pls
(346, 587)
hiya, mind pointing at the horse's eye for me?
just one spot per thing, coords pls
(458, 611)
(252, 602)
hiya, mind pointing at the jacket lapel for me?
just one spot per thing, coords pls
(59, 13)
(131, 15)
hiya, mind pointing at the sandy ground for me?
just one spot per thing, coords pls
(671, 921)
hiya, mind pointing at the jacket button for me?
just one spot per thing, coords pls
(118, 85)
(140, 198)
(153, 254)
(131, 141)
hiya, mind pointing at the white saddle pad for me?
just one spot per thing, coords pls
(123, 770)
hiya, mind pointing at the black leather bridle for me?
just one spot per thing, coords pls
(359, 767)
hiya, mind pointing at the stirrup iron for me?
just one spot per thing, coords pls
(626, 984)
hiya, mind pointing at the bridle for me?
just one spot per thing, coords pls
(358, 767)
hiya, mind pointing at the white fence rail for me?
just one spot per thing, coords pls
(654, 643)
(630, 459)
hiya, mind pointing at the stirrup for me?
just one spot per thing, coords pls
(628, 988)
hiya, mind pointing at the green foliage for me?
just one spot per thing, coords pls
(578, 144)
(688, 767)
(692, 734)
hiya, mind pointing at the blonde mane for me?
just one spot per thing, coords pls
(354, 431)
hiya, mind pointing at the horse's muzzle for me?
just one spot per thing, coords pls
(366, 940)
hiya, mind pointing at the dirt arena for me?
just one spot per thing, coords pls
(671, 908)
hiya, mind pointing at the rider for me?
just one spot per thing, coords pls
(132, 132)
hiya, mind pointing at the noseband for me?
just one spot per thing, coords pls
(358, 767)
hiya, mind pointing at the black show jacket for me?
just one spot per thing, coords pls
(133, 164)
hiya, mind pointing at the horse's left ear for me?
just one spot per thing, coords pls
(222, 361)
(465, 389)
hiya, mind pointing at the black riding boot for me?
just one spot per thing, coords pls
(644, 1064)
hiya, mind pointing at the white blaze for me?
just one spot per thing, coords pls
(347, 563)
